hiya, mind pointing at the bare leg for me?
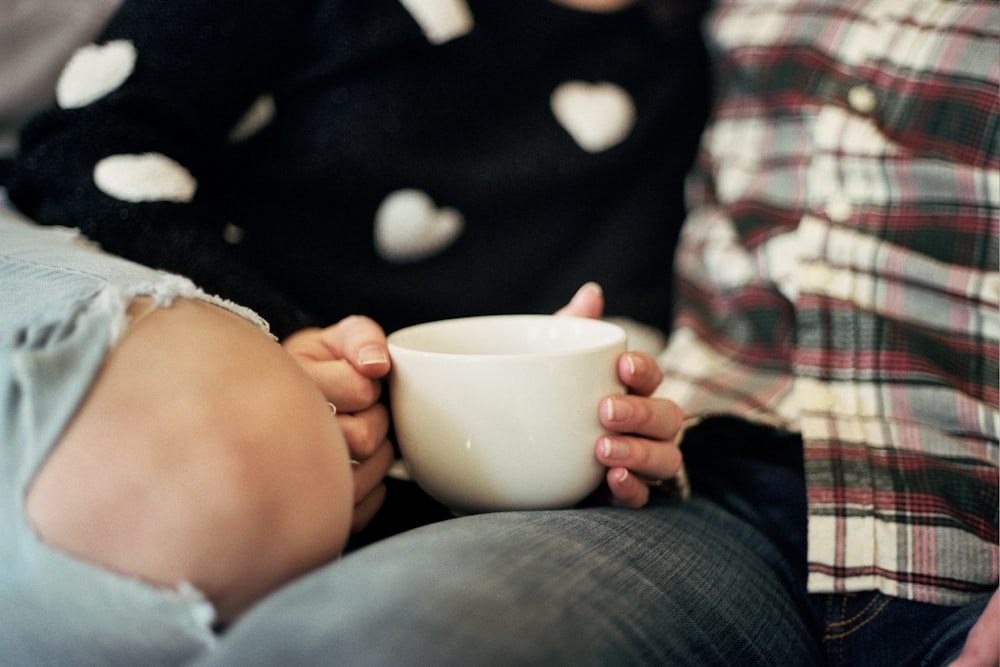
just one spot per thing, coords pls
(202, 454)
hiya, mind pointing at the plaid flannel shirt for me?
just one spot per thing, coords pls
(839, 276)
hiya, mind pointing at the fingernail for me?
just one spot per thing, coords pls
(372, 354)
(588, 287)
(613, 449)
(623, 476)
(636, 364)
(616, 411)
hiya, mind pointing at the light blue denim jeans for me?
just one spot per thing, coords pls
(716, 580)
(62, 307)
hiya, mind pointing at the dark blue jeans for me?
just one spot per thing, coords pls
(717, 580)
(756, 474)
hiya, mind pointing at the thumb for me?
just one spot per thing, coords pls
(587, 302)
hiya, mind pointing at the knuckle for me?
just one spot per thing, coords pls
(295, 339)
(364, 392)
(353, 320)
(641, 451)
(364, 441)
(360, 322)
(646, 410)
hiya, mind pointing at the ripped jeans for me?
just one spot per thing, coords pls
(62, 307)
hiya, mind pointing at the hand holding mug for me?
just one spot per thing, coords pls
(348, 360)
(643, 448)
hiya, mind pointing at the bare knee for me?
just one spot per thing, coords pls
(202, 454)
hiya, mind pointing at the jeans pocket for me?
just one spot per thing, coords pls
(874, 629)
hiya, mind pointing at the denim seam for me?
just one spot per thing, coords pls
(858, 615)
(871, 617)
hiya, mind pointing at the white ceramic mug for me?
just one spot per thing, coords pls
(501, 412)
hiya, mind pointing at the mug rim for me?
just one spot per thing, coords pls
(614, 336)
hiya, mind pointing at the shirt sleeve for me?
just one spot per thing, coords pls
(131, 151)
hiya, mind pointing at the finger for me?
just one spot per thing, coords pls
(346, 360)
(587, 302)
(362, 342)
(365, 431)
(366, 510)
(626, 489)
(356, 339)
(656, 418)
(342, 385)
(639, 372)
(304, 343)
(982, 645)
(369, 472)
(650, 459)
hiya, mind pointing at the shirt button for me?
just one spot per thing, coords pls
(839, 208)
(862, 99)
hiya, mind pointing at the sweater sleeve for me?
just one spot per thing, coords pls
(132, 149)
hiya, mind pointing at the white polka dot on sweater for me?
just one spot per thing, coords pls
(597, 115)
(410, 227)
(440, 20)
(94, 71)
(255, 119)
(145, 177)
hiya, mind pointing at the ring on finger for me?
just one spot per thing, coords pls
(652, 483)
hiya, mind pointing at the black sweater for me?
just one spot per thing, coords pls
(294, 216)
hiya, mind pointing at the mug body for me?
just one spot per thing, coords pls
(501, 413)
